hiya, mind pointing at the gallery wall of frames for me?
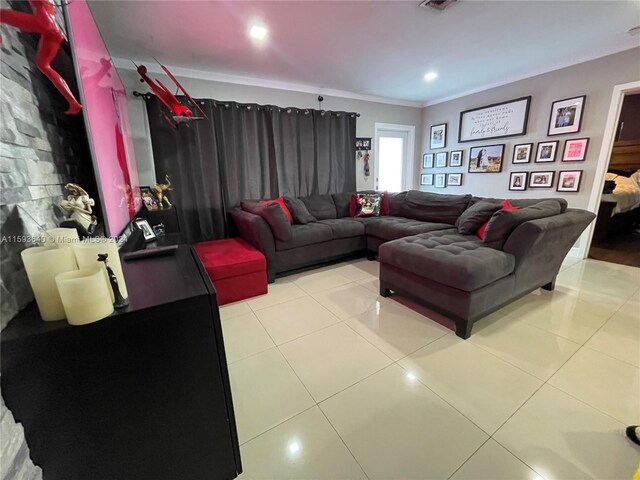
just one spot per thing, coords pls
(536, 137)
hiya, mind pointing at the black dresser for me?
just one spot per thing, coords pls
(142, 394)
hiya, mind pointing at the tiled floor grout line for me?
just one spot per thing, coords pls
(470, 457)
(278, 424)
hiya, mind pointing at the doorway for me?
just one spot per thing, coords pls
(394, 157)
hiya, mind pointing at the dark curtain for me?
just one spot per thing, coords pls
(249, 152)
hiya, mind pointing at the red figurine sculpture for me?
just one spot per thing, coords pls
(43, 22)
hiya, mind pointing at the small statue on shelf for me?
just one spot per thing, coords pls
(120, 301)
(78, 204)
(159, 189)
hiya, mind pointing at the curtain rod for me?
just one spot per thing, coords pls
(249, 106)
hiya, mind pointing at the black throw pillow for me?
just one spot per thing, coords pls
(299, 211)
(475, 216)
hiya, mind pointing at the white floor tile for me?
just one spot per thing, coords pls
(234, 310)
(605, 383)
(305, 446)
(620, 336)
(266, 392)
(332, 359)
(348, 301)
(617, 281)
(278, 293)
(244, 336)
(359, 270)
(397, 428)
(372, 284)
(494, 462)
(482, 387)
(395, 330)
(295, 318)
(533, 350)
(562, 438)
(318, 280)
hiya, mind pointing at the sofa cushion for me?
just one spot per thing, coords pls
(505, 205)
(299, 211)
(283, 206)
(390, 228)
(344, 227)
(320, 206)
(274, 216)
(306, 235)
(475, 216)
(396, 199)
(449, 258)
(434, 207)
(522, 202)
(342, 201)
(503, 222)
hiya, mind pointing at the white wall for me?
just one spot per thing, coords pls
(595, 79)
(370, 112)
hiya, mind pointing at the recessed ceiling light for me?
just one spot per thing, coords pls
(430, 76)
(258, 32)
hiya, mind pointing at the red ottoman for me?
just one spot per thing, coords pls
(237, 270)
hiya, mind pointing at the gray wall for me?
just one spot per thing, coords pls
(41, 149)
(370, 113)
(595, 79)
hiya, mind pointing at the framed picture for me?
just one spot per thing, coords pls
(575, 150)
(518, 181)
(566, 116)
(147, 232)
(546, 152)
(441, 159)
(426, 179)
(427, 160)
(454, 179)
(363, 143)
(569, 180)
(148, 198)
(440, 180)
(505, 119)
(522, 153)
(541, 179)
(455, 160)
(486, 159)
(438, 136)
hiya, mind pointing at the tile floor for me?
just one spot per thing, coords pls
(332, 381)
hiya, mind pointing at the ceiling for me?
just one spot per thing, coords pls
(371, 48)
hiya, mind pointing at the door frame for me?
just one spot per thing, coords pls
(408, 180)
(608, 138)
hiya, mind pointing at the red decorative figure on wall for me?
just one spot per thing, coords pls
(43, 21)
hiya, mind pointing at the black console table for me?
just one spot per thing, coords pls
(142, 394)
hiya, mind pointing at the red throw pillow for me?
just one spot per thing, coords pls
(352, 205)
(280, 201)
(384, 207)
(506, 205)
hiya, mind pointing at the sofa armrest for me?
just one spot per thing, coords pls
(540, 246)
(255, 230)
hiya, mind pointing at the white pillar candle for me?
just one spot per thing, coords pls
(87, 256)
(61, 237)
(85, 295)
(42, 265)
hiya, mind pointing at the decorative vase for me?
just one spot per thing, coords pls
(85, 294)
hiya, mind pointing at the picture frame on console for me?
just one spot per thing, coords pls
(518, 181)
(454, 179)
(440, 180)
(441, 159)
(569, 180)
(541, 179)
(426, 179)
(147, 231)
(455, 160)
(148, 199)
(427, 160)
(522, 153)
(575, 150)
(486, 159)
(438, 136)
(566, 116)
(546, 151)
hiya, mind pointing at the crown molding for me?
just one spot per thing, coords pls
(126, 64)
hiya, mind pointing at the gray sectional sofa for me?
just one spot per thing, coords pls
(427, 245)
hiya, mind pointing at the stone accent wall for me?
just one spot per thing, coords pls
(41, 150)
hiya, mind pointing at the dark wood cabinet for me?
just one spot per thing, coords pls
(142, 394)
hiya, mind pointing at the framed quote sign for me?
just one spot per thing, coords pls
(505, 119)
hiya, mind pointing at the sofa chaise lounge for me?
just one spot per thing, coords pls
(427, 245)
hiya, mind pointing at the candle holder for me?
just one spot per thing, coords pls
(87, 252)
(85, 295)
(118, 300)
(42, 264)
(62, 237)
